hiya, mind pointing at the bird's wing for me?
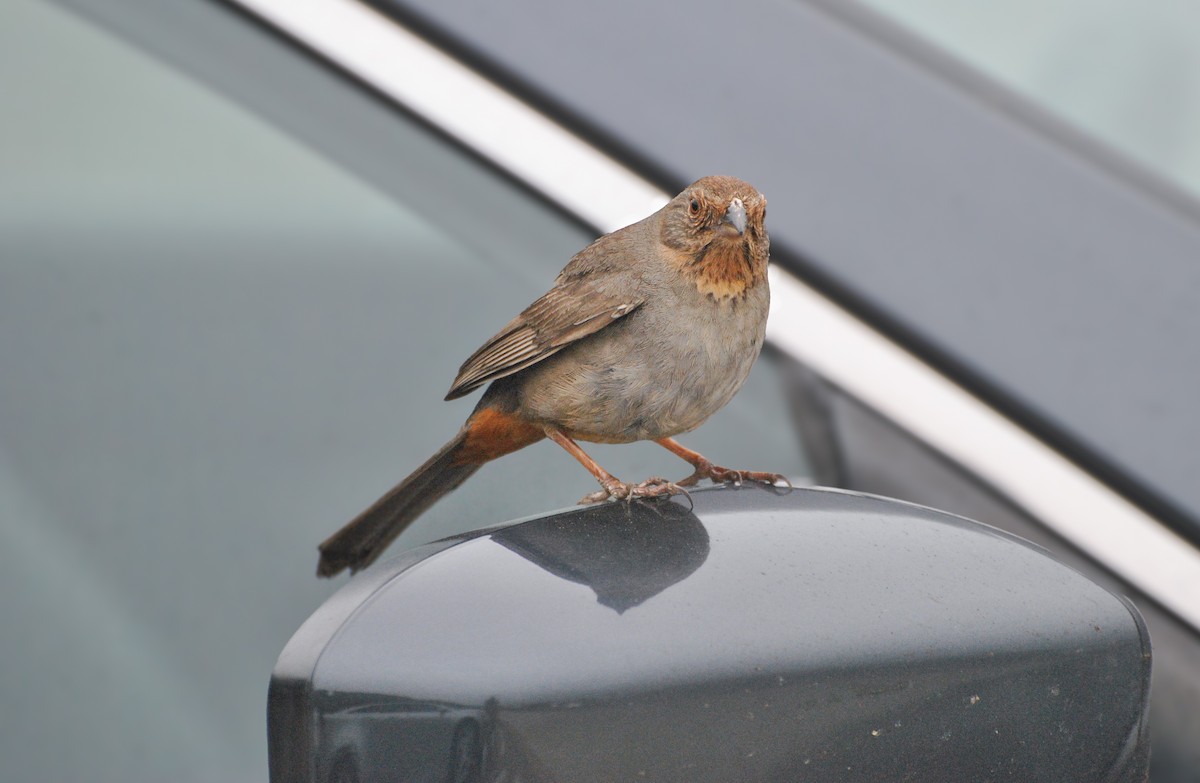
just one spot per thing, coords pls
(570, 311)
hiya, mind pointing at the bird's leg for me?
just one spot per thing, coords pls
(719, 475)
(613, 487)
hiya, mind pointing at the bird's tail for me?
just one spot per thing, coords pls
(364, 538)
(489, 433)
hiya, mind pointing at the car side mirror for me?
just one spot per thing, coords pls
(817, 635)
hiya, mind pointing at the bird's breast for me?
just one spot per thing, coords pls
(659, 372)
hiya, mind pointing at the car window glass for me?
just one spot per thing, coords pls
(219, 343)
(1124, 72)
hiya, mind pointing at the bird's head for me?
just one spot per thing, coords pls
(716, 227)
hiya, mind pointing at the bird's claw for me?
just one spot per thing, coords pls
(654, 487)
(720, 475)
(591, 498)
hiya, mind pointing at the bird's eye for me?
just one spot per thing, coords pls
(694, 207)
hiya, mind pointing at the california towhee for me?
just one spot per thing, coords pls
(646, 333)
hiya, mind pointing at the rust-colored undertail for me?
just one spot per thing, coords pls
(488, 434)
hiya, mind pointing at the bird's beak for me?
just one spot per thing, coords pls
(735, 215)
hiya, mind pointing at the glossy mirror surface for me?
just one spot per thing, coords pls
(754, 636)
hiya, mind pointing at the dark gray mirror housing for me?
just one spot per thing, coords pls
(816, 635)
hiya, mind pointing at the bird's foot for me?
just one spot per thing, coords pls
(720, 475)
(654, 487)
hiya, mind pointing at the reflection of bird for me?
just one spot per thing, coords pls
(626, 555)
(646, 333)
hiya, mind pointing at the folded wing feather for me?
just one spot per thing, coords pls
(567, 313)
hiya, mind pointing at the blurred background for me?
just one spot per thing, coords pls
(236, 282)
(1127, 74)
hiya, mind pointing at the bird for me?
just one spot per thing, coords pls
(645, 334)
